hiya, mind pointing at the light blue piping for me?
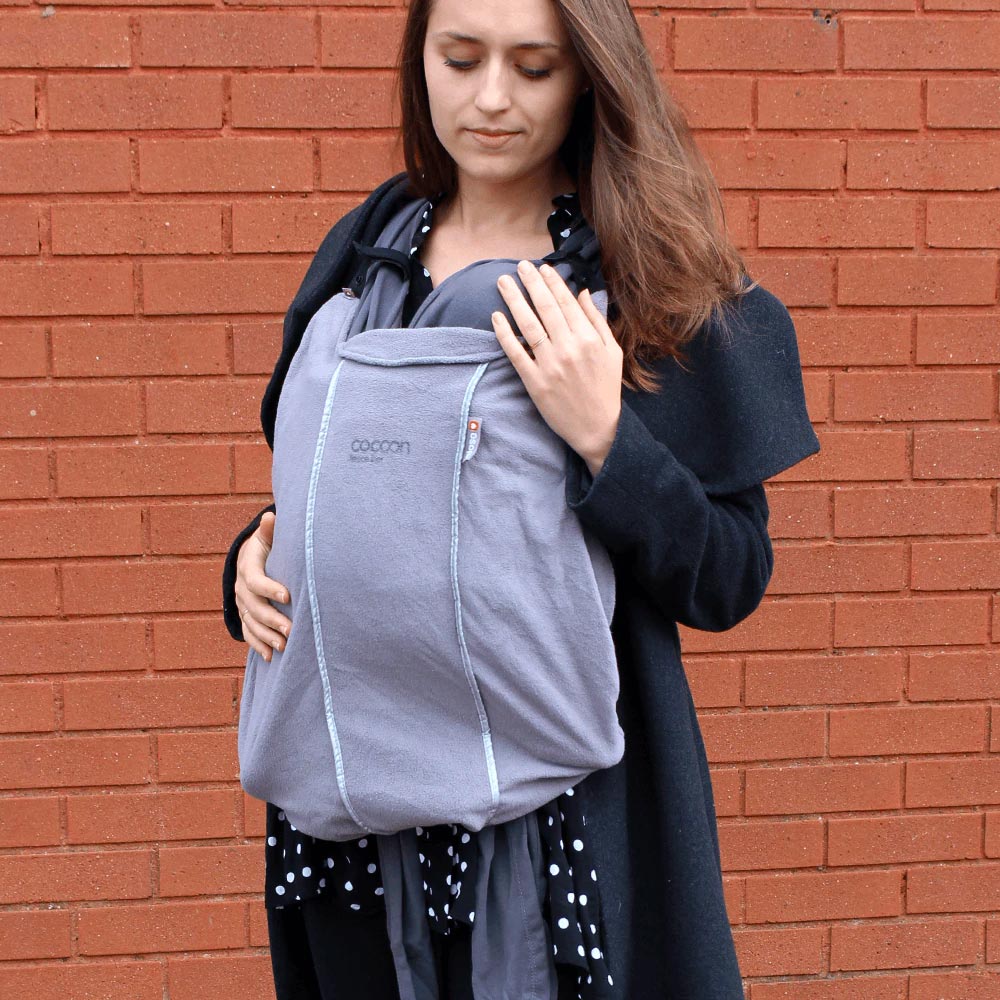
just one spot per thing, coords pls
(484, 722)
(331, 723)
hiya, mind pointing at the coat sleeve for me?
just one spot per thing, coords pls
(704, 561)
(230, 612)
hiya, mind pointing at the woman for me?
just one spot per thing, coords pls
(667, 465)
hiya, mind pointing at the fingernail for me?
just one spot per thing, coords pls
(524, 266)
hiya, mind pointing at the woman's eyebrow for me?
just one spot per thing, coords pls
(458, 36)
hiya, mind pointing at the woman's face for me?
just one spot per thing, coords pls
(489, 79)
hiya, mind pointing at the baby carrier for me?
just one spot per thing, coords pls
(450, 658)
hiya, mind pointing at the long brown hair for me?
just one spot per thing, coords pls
(643, 184)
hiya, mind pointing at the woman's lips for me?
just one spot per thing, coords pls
(492, 141)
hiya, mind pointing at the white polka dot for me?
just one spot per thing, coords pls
(578, 844)
(472, 915)
(555, 949)
(379, 891)
(583, 899)
(355, 906)
(563, 923)
(298, 848)
(466, 838)
(272, 841)
(280, 890)
(593, 928)
(281, 815)
(292, 825)
(611, 982)
(306, 872)
(571, 896)
(290, 877)
(580, 949)
(430, 910)
(371, 869)
(419, 855)
(595, 952)
(464, 865)
(348, 886)
(322, 883)
(569, 791)
(363, 842)
(419, 830)
(593, 874)
(553, 869)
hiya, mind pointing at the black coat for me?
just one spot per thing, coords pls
(680, 504)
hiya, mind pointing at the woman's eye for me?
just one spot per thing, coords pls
(532, 74)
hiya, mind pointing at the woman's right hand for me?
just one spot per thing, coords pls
(264, 627)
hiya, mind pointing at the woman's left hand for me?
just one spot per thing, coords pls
(575, 376)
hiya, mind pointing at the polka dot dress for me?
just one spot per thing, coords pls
(299, 866)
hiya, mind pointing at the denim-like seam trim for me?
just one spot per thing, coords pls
(466, 660)
(331, 722)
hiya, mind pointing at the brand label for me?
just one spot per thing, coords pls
(472, 440)
(376, 449)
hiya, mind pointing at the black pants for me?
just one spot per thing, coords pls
(321, 952)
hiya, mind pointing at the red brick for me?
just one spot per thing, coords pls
(905, 43)
(112, 349)
(57, 762)
(18, 230)
(911, 510)
(66, 288)
(922, 164)
(284, 224)
(209, 869)
(136, 228)
(883, 840)
(136, 817)
(63, 647)
(870, 732)
(98, 40)
(313, 101)
(52, 877)
(824, 679)
(908, 944)
(56, 530)
(837, 222)
(64, 165)
(148, 703)
(244, 163)
(839, 103)
(807, 788)
(960, 675)
(788, 898)
(17, 103)
(27, 707)
(229, 38)
(161, 927)
(23, 351)
(132, 979)
(753, 43)
(142, 470)
(144, 101)
(972, 221)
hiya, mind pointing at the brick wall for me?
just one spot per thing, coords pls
(166, 174)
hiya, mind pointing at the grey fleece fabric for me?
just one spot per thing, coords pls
(452, 659)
